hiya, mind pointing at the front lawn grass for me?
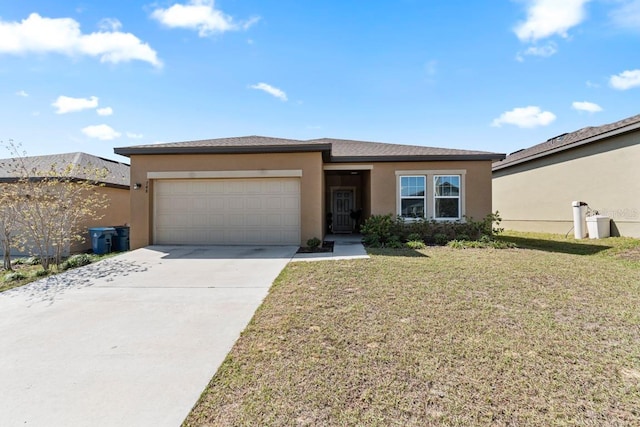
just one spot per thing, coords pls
(546, 334)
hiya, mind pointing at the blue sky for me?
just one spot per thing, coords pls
(495, 75)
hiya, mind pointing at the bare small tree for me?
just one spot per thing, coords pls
(53, 204)
(8, 223)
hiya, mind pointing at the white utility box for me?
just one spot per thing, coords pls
(579, 215)
(599, 226)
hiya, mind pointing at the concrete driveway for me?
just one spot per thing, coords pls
(132, 340)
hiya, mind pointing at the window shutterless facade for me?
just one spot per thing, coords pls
(428, 194)
(446, 197)
(413, 197)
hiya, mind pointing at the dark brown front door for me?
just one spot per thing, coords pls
(342, 207)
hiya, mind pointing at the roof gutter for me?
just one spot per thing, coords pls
(302, 148)
(428, 158)
(596, 138)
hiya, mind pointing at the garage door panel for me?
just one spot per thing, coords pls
(227, 211)
(253, 202)
(291, 219)
(290, 203)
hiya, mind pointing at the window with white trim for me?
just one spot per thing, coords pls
(413, 196)
(446, 196)
(431, 194)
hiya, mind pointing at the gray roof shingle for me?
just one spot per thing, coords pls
(567, 141)
(337, 150)
(118, 173)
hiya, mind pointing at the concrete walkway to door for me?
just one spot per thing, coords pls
(129, 341)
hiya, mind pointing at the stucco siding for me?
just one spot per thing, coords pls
(537, 195)
(311, 184)
(477, 185)
(117, 212)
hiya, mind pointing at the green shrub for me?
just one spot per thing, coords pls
(457, 244)
(41, 273)
(372, 240)
(416, 244)
(440, 239)
(78, 260)
(414, 237)
(19, 261)
(15, 276)
(313, 243)
(383, 229)
(34, 260)
(379, 230)
(390, 231)
(394, 242)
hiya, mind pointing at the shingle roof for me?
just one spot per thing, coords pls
(235, 142)
(336, 150)
(118, 173)
(568, 141)
(342, 148)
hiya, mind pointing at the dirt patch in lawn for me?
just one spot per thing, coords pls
(630, 254)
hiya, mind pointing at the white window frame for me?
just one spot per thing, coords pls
(401, 198)
(437, 218)
(429, 176)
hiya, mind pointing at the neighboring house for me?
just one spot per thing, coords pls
(273, 191)
(116, 185)
(533, 188)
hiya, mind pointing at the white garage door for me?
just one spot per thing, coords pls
(227, 211)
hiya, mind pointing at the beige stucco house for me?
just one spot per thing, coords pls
(274, 191)
(533, 188)
(116, 185)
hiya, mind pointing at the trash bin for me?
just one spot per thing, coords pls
(121, 240)
(599, 226)
(101, 239)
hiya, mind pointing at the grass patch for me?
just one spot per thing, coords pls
(27, 270)
(545, 334)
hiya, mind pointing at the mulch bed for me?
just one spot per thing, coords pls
(327, 246)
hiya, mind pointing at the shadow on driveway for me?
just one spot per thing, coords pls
(48, 288)
(224, 252)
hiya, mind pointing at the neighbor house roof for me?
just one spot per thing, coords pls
(571, 140)
(117, 173)
(334, 150)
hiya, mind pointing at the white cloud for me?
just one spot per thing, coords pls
(110, 24)
(546, 18)
(625, 80)
(66, 104)
(22, 93)
(134, 135)
(627, 15)
(37, 34)
(200, 15)
(106, 111)
(544, 51)
(525, 117)
(592, 85)
(274, 91)
(102, 132)
(589, 107)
